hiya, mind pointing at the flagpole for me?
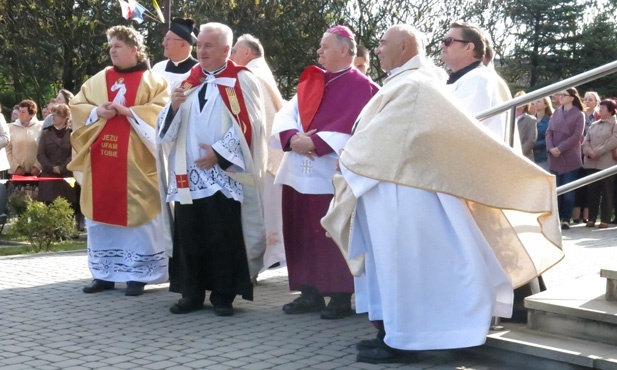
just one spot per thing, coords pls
(167, 13)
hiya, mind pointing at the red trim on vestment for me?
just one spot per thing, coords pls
(310, 92)
(197, 76)
(182, 181)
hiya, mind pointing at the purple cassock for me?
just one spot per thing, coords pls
(329, 105)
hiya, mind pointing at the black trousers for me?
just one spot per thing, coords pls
(209, 251)
(600, 194)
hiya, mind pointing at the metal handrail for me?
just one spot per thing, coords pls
(579, 79)
(596, 176)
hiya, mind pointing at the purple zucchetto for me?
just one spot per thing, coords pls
(341, 31)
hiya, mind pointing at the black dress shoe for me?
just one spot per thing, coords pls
(223, 310)
(134, 288)
(338, 308)
(186, 305)
(366, 344)
(384, 354)
(98, 286)
(304, 304)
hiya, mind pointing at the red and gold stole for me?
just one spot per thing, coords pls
(234, 100)
(109, 155)
(232, 96)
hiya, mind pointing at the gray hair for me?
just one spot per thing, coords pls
(344, 41)
(252, 43)
(226, 35)
(412, 31)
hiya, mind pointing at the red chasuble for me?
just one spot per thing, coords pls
(232, 96)
(109, 154)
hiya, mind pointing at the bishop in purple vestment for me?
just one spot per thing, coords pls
(312, 128)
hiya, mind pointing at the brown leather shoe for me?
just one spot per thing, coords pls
(603, 225)
(591, 224)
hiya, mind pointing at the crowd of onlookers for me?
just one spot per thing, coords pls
(30, 147)
(575, 137)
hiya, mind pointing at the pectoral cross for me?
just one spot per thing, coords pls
(182, 181)
(307, 166)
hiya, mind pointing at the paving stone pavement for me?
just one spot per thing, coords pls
(47, 323)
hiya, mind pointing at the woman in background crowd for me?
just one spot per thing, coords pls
(563, 142)
(581, 195)
(63, 97)
(544, 111)
(598, 147)
(54, 153)
(527, 128)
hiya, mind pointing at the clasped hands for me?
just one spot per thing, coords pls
(34, 171)
(109, 110)
(555, 152)
(302, 144)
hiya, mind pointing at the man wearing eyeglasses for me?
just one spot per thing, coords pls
(463, 49)
(177, 45)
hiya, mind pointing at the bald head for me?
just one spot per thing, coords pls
(398, 45)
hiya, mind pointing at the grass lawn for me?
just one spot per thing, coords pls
(68, 245)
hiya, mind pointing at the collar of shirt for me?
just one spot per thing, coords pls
(454, 76)
(180, 62)
(214, 73)
(395, 70)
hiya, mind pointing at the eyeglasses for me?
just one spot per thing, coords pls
(171, 39)
(449, 40)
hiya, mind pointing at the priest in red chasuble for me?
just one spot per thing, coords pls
(311, 129)
(114, 116)
(215, 123)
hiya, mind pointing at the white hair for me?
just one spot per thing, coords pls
(418, 36)
(252, 43)
(225, 33)
(344, 41)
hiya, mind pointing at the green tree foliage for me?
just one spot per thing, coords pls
(52, 44)
(597, 48)
(547, 35)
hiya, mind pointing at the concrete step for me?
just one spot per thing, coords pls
(537, 350)
(611, 283)
(576, 309)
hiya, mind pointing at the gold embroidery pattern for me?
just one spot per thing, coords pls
(234, 104)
